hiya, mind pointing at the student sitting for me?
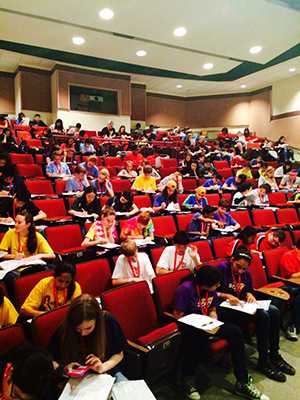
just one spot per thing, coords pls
(27, 374)
(8, 313)
(180, 256)
(268, 177)
(21, 201)
(213, 184)
(198, 295)
(270, 240)
(86, 204)
(52, 292)
(90, 167)
(87, 147)
(192, 171)
(154, 173)
(132, 266)
(236, 285)
(196, 201)
(102, 231)
(167, 199)
(145, 183)
(78, 182)
(128, 172)
(245, 171)
(233, 182)
(36, 121)
(244, 196)
(203, 222)
(24, 242)
(89, 336)
(57, 167)
(290, 181)
(102, 185)
(140, 227)
(260, 194)
(245, 238)
(123, 203)
(175, 176)
(224, 216)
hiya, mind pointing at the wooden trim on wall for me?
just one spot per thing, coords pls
(166, 96)
(230, 95)
(7, 74)
(22, 68)
(101, 74)
(138, 86)
(285, 115)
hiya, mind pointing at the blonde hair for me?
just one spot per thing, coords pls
(129, 248)
(107, 211)
(144, 218)
(105, 172)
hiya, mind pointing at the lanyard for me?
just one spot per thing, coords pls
(56, 301)
(5, 381)
(135, 269)
(180, 264)
(204, 309)
(20, 245)
(236, 286)
(58, 168)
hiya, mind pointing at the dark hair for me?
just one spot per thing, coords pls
(78, 170)
(224, 203)
(1, 295)
(127, 195)
(37, 115)
(59, 124)
(208, 276)
(147, 169)
(23, 195)
(242, 178)
(208, 210)
(62, 268)
(242, 253)
(32, 238)
(267, 187)
(32, 370)
(298, 244)
(20, 115)
(83, 308)
(181, 237)
(244, 186)
(78, 125)
(173, 196)
(246, 233)
(280, 234)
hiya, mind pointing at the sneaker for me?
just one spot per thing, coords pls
(249, 391)
(191, 392)
(271, 372)
(279, 363)
(291, 333)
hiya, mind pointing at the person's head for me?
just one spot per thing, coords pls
(138, 125)
(264, 189)
(293, 175)
(181, 241)
(240, 260)
(208, 278)
(88, 141)
(276, 238)
(91, 161)
(129, 248)
(224, 130)
(90, 194)
(143, 220)
(122, 129)
(103, 174)
(57, 156)
(31, 373)
(240, 179)
(200, 192)
(108, 217)
(188, 157)
(282, 140)
(245, 188)
(171, 187)
(24, 225)
(85, 319)
(126, 197)
(223, 206)
(21, 115)
(269, 172)
(215, 179)
(208, 211)
(129, 165)
(70, 142)
(147, 171)
(37, 117)
(64, 275)
(78, 126)
(194, 166)
(287, 167)
(246, 132)
(248, 235)
(21, 198)
(59, 124)
(79, 172)
(110, 124)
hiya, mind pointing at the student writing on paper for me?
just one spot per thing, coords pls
(104, 230)
(167, 197)
(140, 227)
(223, 215)
(132, 266)
(86, 204)
(24, 242)
(236, 285)
(8, 313)
(124, 203)
(198, 295)
(53, 291)
(180, 256)
(89, 336)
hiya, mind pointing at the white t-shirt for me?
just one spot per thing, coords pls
(166, 260)
(123, 271)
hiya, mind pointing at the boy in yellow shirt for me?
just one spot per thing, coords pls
(145, 182)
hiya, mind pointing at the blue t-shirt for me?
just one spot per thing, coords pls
(210, 182)
(230, 181)
(159, 199)
(226, 218)
(192, 201)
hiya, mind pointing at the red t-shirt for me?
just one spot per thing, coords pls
(289, 264)
(263, 243)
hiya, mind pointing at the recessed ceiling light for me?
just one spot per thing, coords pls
(208, 65)
(255, 49)
(106, 13)
(243, 86)
(292, 69)
(179, 86)
(141, 53)
(181, 31)
(79, 40)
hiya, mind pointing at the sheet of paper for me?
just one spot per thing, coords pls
(132, 390)
(91, 387)
(248, 308)
(143, 242)
(11, 265)
(7, 223)
(202, 322)
(2, 253)
(263, 304)
(108, 245)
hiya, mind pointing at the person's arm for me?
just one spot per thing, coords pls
(178, 314)
(162, 271)
(123, 281)
(33, 302)
(109, 188)
(101, 367)
(41, 215)
(229, 297)
(87, 242)
(134, 210)
(213, 313)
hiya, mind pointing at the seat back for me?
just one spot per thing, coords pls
(168, 163)
(94, 276)
(164, 226)
(133, 307)
(219, 164)
(183, 221)
(189, 184)
(45, 325)
(204, 250)
(213, 199)
(64, 237)
(40, 186)
(11, 337)
(277, 198)
(17, 158)
(225, 172)
(181, 197)
(287, 216)
(60, 186)
(142, 200)
(54, 208)
(220, 246)
(29, 170)
(121, 185)
(242, 217)
(263, 217)
(24, 285)
(257, 272)
(156, 252)
(272, 259)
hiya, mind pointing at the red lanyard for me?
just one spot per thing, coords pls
(58, 167)
(135, 269)
(56, 301)
(204, 309)
(20, 245)
(236, 286)
(5, 381)
(180, 264)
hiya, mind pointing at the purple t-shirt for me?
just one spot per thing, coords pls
(187, 300)
(227, 284)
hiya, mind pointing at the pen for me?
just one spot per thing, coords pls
(207, 323)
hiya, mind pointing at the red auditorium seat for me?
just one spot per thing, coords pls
(189, 184)
(155, 255)
(142, 201)
(219, 164)
(39, 158)
(288, 216)
(272, 260)
(37, 143)
(183, 221)
(44, 326)
(164, 226)
(11, 337)
(165, 171)
(65, 238)
(277, 198)
(40, 187)
(204, 250)
(121, 185)
(54, 208)
(220, 246)
(264, 218)
(182, 197)
(94, 276)
(24, 285)
(114, 162)
(17, 158)
(168, 163)
(225, 172)
(30, 170)
(213, 199)
(60, 186)
(157, 345)
(242, 217)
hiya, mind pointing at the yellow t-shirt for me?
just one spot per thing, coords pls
(42, 297)
(8, 313)
(245, 171)
(143, 184)
(10, 242)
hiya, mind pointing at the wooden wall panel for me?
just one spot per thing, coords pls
(138, 102)
(7, 93)
(35, 89)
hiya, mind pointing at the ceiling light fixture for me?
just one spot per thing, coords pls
(243, 86)
(106, 13)
(292, 69)
(208, 65)
(141, 53)
(255, 49)
(179, 86)
(78, 40)
(181, 31)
